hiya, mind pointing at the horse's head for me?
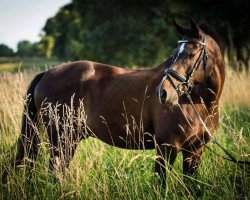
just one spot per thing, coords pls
(192, 63)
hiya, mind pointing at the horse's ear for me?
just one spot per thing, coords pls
(195, 28)
(180, 29)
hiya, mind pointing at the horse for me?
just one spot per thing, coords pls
(116, 98)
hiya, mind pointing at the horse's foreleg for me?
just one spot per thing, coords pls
(61, 154)
(191, 160)
(63, 146)
(60, 157)
(168, 154)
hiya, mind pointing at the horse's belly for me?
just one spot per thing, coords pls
(109, 124)
(119, 136)
(129, 144)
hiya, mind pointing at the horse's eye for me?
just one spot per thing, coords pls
(191, 55)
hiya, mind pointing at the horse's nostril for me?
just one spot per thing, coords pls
(163, 94)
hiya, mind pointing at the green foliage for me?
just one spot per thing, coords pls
(6, 51)
(127, 33)
(228, 17)
(65, 30)
(141, 33)
(45, 47)
(26, 48)
(116, 33)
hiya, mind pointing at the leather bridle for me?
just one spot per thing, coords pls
(186, 80)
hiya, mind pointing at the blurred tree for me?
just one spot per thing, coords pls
(6, 51)
(125, 33)
(228, 17)
(140, 32)
(121, 33)
(63, 32)
(24, 48)
(44, 48)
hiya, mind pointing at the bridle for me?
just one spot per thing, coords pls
(186, 80)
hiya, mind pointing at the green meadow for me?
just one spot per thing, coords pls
(99, 171)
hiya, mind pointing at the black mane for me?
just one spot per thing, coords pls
(212, 33)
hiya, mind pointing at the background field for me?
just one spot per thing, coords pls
(15, 64)
(99, 171)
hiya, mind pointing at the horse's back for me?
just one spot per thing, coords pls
(60, 83)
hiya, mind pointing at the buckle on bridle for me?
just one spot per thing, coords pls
(189, 87)
(184, 81)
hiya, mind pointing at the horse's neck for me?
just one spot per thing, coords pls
(214, 85)
(163, 65)
(157, 74)
(220, 71)
(158, 71)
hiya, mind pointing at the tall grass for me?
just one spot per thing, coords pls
(99, 171)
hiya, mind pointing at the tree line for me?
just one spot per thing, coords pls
(136, 32)
(25, 48)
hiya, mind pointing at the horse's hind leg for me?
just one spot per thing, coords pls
(60, 156)
(27, 150)
(27, 145)
(28, 140)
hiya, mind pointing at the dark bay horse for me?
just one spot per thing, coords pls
(115, 99)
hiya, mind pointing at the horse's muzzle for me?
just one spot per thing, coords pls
(166, 98)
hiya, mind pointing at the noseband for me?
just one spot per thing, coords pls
(186, 80)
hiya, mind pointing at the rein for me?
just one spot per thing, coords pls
(186, 80)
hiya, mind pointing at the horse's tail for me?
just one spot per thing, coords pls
(27, 144)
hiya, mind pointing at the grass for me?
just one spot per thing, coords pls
(99, 171)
